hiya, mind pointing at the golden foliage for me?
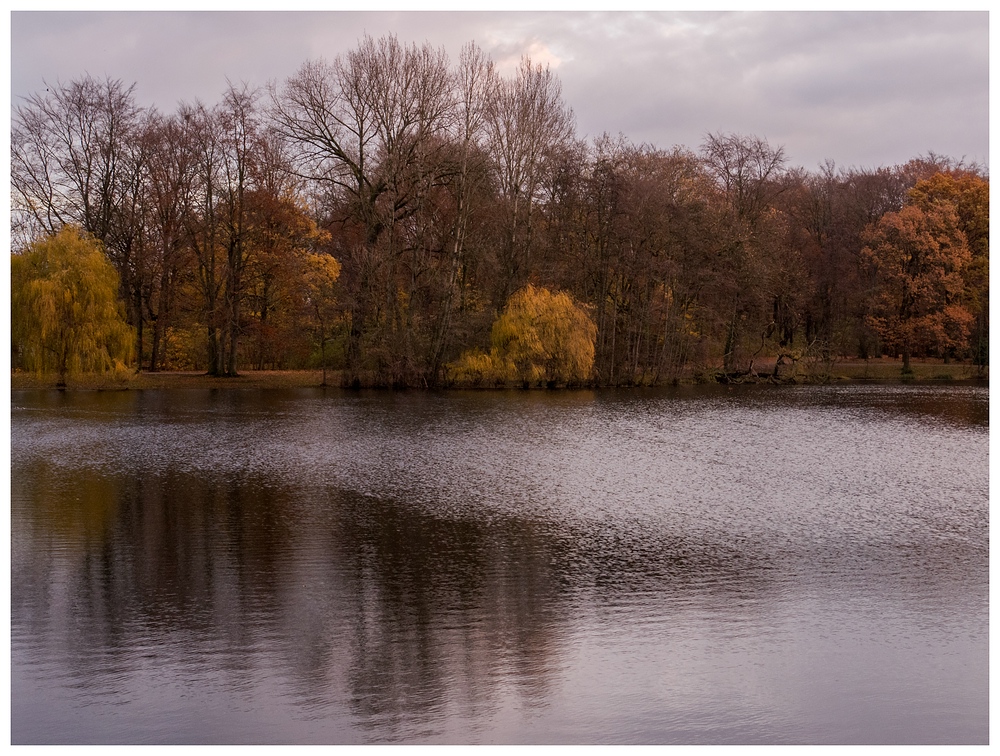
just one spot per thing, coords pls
(476, 368)
(541, 337)
(65, 313)
(969, 195)
(321, 273)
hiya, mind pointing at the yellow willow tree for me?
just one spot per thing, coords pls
(65, 313)
(542, 337)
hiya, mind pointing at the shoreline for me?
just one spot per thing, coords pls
(926, 372)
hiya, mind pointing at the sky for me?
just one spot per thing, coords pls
(860, 89)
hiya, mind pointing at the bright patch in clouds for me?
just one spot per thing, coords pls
(538, 52)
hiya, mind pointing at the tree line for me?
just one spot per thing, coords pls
(412, 221)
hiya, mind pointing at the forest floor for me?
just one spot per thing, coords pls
(850, 371)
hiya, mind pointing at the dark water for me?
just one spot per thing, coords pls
(760, 565)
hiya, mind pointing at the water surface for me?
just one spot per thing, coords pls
(700, 565)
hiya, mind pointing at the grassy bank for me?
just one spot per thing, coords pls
(892, 370)
(885, 369)
(860, 371)
(251, 379)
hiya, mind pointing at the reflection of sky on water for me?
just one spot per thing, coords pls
(800, 566)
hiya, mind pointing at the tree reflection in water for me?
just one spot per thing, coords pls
(645, 582)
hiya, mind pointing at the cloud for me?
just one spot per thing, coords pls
(859, 88)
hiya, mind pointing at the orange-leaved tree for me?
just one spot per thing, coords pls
(969, 193)
(917, 259)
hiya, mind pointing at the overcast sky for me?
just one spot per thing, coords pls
(861, 89)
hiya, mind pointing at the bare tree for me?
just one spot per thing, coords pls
(371, 128)
(528, 123)
(750, 175)
(475, 83)
(67, 154)
(748, 170)
(76, 158)
(170, 170)
(226, 153)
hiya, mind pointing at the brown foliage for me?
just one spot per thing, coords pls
(918, 257)
(442, 190)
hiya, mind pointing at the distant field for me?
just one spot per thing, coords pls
(844, 370)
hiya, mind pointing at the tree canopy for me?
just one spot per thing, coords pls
(541, 338)
(459, 205)
(919, 257)
(65, 313)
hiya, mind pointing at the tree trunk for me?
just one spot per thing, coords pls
(139, 319)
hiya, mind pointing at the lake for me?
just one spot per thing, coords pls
(750, 564)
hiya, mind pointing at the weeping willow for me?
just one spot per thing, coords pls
(542, 337)
(66, 317)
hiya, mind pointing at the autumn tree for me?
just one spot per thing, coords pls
(828, 212)
(750, 175)
(203, 215)
(168, 182)
(282, 236)
(918, 258)
(320, 278)
(77, 157)
(65, 313)
(368, 129)
(661, 268)
(542, 337)
(281, 233)
(630, 237)
(969, 194)
(528, 125)
(225, 144)
(240, 132)
(469, 185)
(824, 229)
